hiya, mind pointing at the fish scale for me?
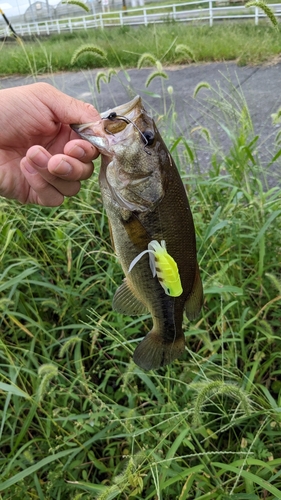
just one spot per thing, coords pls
(146, 201)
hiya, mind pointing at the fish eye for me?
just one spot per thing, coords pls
(148, 137)
(112, 115)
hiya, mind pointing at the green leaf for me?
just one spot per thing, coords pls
(30, 470)
(13, 389)
(19, 278)
(223, 289)
(264, 228)
(275, 158)
(186, 472)
(250, 477)
(93, 488)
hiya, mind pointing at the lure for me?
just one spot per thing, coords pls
(162, 265)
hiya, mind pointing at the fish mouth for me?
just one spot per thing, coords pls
(101, 133)
(123, 109)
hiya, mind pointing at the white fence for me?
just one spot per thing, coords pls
(196, 12)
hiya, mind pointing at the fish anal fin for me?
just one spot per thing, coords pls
(125, 302)
(153, 353)
(194, 302)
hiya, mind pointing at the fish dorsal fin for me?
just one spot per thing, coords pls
(195, 300)
(125, 302)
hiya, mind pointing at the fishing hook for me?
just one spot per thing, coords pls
(113, 116)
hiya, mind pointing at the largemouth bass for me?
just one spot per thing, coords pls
(151, 226)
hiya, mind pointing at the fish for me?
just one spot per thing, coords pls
(151, 226)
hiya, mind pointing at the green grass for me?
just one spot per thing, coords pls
(79, 420)
(243, 42)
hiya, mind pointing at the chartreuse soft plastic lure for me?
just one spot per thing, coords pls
(162, 265)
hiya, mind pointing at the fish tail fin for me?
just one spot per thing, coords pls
(153, 352)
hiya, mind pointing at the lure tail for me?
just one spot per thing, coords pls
(153, 352)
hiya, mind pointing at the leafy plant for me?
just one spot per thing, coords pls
(123, 47)
(79, 418)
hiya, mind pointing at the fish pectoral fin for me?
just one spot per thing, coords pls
(195, 300)
(153, 353)
(125, 302)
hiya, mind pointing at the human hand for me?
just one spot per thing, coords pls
(42, 160)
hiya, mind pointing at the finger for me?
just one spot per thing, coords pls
(58, 167)
(69, 169)
(40, 191)
(82, 150)
(62, 166)
(45, 184)
(35, 169)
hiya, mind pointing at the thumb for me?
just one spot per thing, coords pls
(67, 109)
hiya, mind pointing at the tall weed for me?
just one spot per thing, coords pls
(79, 418)
(171, 43)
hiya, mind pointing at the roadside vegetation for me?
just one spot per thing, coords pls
(122, 47)
(79, 420)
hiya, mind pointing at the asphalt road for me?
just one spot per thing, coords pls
(233, 86)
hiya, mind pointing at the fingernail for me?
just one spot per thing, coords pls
(63, 168)
(77, 151)
(40, 158)
(30, 169)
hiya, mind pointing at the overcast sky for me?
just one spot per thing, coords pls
(16, 7)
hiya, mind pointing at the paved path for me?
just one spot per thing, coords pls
(260, 85)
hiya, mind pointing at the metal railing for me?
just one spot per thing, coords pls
(207, 11)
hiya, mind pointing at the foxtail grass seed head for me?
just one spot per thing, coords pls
(28, 457)
(276, 117)
(266, 9)
(79, 4)
(47, 372)
(69, 344)
(159, 66)
(199, 86)
(131, 476)
(217, 387)
(84, 49)
(147, 58)
(203, 131)
(110, 73)
(48, 369)
(101, 77)
(184, 50)
(275, 281)
(110, 492)
(155, 74)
